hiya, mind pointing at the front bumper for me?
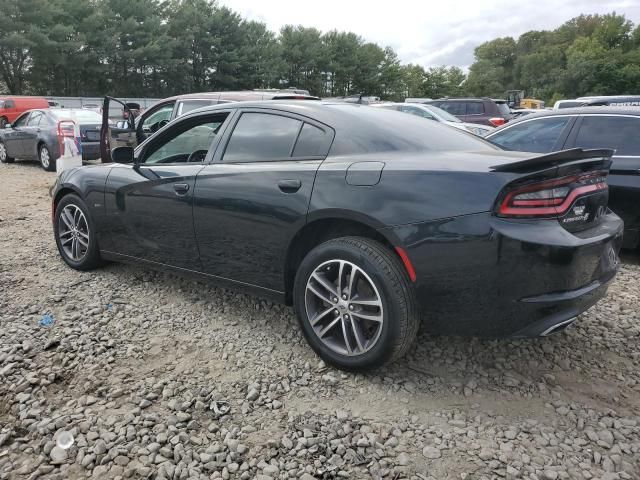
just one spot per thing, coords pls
(483, 276)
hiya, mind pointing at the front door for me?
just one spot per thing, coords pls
(255, 194)
(30, 135)
(149, 204)
(14, 136)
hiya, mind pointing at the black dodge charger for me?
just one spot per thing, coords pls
(368, 221)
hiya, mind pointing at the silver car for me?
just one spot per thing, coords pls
(431, 112)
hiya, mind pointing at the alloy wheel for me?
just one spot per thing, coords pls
(73, 232)
(3, 152)
(44, 156)
(344, 307)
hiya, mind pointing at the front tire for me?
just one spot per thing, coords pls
(46, 160)
(355, 304)
(75, 234)
(4, 155)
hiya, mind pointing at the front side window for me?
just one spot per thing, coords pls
(262, 136)
(533, 136)
(189, 143)
(619, 133)
(158, 118)
(34, 120)
(21, 121)
(9, 104)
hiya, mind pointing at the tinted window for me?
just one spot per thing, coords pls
(188, 105)
(34, 120)
(533, 136)
(185, 141)
(312, 142)
(361, 129)
(9, 104)
(262, 136)
(475, 108)
(503, 108)
(454, 108)
(446, 116)
(621, 133)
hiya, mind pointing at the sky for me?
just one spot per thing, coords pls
(429, 33)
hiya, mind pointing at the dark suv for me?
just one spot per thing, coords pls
(485, 111)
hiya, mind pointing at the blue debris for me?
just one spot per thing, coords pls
(109, 306)
(46, 320)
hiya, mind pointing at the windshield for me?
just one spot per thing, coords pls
(1, 103)
(444, 115)
(80, 116)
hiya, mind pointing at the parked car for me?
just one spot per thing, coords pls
(560, 104)
(366, 220)
(12, 107)
(611, 101)
(94, 107)
(39, 134)
(417, 100)
(485, 111)
(137, 125)
(521, 112)
(431, 112)
(589, 127)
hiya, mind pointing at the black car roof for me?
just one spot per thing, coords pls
(604, 110)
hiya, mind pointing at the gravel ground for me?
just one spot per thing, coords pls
(157, 376)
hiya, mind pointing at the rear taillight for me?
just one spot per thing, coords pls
(66, 128)
(551, 198)
(497, 121)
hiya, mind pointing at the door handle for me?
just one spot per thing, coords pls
(181, 188)
(289, 186)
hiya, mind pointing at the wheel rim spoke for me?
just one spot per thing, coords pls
(350, 324)
(73, 233)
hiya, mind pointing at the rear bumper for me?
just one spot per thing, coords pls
(483, 276)
(90, 150)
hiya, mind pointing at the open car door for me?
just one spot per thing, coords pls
(118, 132)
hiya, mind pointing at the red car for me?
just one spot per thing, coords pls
(12, 107)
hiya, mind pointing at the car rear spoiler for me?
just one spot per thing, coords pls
(294, 96)
(554, 159)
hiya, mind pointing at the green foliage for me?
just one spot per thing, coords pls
(588, 55)
(159, 48)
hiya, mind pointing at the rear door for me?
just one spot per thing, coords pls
(149, 204)
(622, 133)
(255, 194)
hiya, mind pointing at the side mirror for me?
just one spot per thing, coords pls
(122, 155)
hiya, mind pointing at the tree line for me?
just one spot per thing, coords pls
(158, 48)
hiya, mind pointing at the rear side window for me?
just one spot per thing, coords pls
(621, 133)
(503, 108)
(454, 108)
(262, 136)
(475, 108)
(9, 104)
(534, 136)
(312, 142)
(417, 111)
(34, 120)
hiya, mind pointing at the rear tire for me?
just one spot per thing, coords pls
(75, 234)
(4, 155)
(343, 332)
(46, 160)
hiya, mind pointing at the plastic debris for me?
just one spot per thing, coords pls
(64, 440)
(109, 306)
(220, 407)
(46, 320)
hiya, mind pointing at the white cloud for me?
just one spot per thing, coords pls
(429, 33)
